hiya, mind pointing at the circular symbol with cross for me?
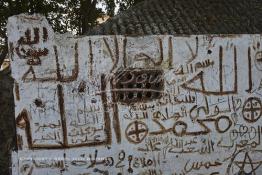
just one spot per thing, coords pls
(252, 109)
(136, 132)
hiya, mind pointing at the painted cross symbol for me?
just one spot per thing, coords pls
(252, 109)
(136, 132)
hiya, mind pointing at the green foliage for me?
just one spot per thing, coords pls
(63, 15)
(77, 16)
(50, 8)
(125, 4)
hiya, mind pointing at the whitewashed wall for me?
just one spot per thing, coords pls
(181, 105)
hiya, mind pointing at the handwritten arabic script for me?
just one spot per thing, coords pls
(135, 105)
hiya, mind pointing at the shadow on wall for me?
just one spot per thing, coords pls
(7, 126)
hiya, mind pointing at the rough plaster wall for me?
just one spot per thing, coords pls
(135, 105)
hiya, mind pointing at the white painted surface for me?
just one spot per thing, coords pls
(210, 87)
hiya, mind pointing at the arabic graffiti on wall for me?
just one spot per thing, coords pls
(135, 105)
